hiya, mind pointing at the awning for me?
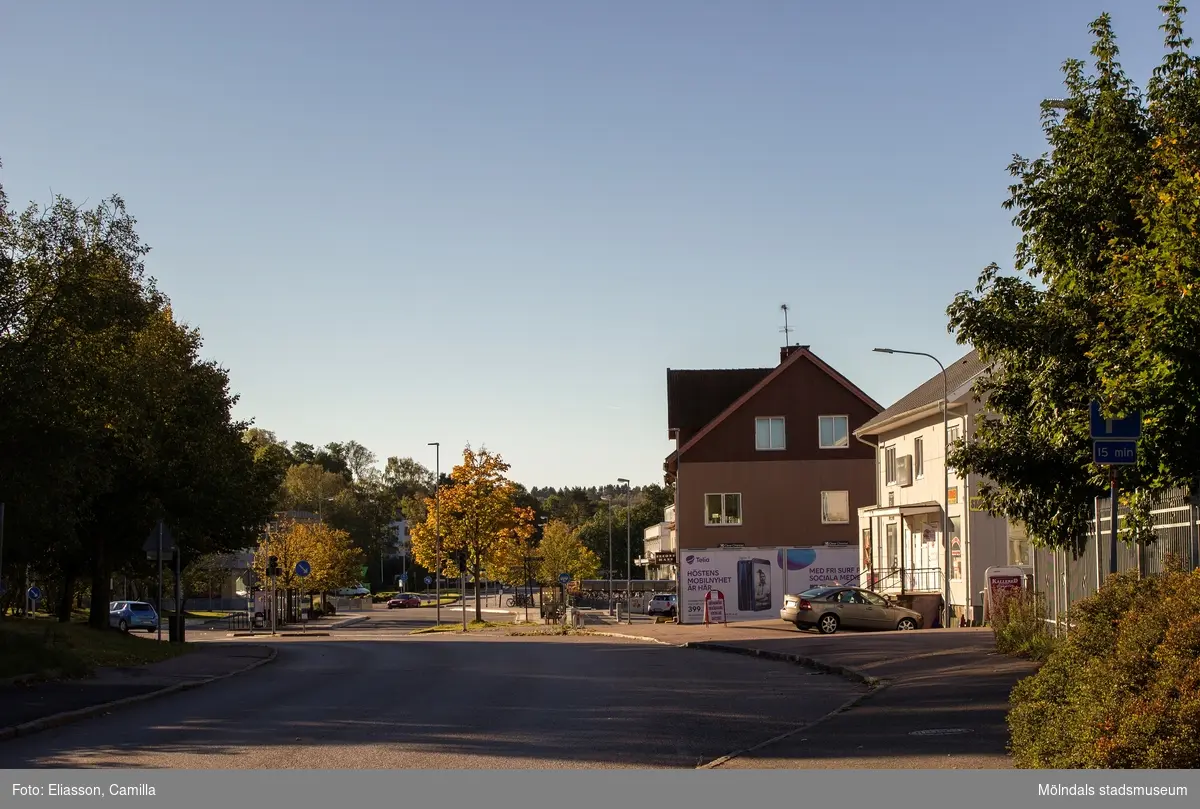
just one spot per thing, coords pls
(906, 510)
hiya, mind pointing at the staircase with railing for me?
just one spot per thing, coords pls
(899, 580)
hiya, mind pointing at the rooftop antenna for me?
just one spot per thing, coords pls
(787, 340)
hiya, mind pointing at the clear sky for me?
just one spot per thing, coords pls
(501, 222)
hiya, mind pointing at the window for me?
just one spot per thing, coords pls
(835, 508)
(835, 432)
(722, 509)
(872, 599)
(769, 433)
(952, 434)
(919, 457)
(889, 465)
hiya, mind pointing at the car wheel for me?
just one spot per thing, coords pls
(828, 624)
(906, 624)
(122, 626)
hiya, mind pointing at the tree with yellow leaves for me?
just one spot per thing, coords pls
(476, 518)
(331, 554)
(562, 551)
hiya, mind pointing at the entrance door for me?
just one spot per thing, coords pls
(892, 550)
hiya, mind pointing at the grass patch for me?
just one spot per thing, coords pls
(456, 627)
(206, 615)
(46, 648)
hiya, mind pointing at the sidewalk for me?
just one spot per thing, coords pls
(942, 705)
(26, 709)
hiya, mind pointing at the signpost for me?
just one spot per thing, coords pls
(303, 568)
(34, 594)
(714, 607)
(159, 542)
(564, 579)
(1114, 444)
(428, 580)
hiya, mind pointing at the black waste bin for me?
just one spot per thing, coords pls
(175, 632)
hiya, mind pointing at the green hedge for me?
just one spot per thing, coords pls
(1123, 690)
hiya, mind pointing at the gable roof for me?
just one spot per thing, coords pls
(694, 398)
(793, 358)
(931, 391)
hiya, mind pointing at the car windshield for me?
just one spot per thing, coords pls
(662, 598)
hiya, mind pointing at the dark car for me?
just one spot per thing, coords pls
(403, 600)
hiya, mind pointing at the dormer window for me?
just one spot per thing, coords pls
(769, 434)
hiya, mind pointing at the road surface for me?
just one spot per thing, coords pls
(362, 700)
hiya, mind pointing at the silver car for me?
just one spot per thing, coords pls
(829, 609)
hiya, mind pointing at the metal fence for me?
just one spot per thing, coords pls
(1064, 580)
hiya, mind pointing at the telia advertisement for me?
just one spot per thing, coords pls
(753, 581)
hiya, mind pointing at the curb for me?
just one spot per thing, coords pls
(642, 638)
(809, 662)
(67, 717)
(350, 622)
(269, 636)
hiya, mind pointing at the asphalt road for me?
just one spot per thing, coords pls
(434, 701)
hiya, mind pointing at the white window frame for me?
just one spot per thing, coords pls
(821, 444)
(953, 433)
(771, 433)
(918, 457)
(725, 520)
(890, 476)
(825, 508)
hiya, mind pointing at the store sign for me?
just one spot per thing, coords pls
(714, 607)
(665, 558)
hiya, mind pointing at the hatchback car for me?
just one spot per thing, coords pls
(127, 615)
(829, 609)
(354, 592)
(403, 600)
(662, 604)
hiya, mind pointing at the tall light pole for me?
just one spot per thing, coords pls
(945, 476)
(437, 526)
(608, 499)
(628, 547)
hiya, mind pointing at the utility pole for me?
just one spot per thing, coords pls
(628, 549)
(437, 526)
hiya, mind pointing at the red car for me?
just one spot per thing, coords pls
(405, 600)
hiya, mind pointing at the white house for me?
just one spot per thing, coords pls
(902, 547)
(661, 547)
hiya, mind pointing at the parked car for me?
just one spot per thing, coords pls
(354, 592)
(662, 604)
(829, 609)
(403, 600)
(127, 615)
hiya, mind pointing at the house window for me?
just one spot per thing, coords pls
(952, 434)
(889, 465)
(835, 508)
(722, 509)
(835, 432)
(919, 457)
(769, 433)
(1019, 548)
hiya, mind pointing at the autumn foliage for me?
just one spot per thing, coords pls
(334, 559)
(478, 516)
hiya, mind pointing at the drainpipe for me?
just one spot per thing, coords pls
(871, 521)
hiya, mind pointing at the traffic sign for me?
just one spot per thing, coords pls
(404, 577)
(564, 578)
(1109, 429)
(1115, 453)
(428, 580)
(303, 569)
(35, 593)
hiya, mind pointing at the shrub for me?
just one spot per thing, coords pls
(1123, 690)
(1019, 624)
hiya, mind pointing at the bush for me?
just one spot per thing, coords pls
(1019, 624)
(1123, 690)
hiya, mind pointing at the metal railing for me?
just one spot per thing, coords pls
(902, 579)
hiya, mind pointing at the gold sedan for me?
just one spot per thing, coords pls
(829, 609)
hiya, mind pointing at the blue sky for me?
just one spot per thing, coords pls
(501, 222)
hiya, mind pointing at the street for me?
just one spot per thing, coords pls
(375, 697)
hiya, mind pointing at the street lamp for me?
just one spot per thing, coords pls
(628, 547)
(945, 475)
(608, 499)
(437, 527)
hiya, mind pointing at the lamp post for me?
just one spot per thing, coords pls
(628, 548)
(437, 527)
(945, 475)
(608, 499)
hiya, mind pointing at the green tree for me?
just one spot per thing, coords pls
(562, 551)
(1101, 305)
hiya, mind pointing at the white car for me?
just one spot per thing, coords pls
(354, 592)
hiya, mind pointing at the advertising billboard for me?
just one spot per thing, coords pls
(752, 581)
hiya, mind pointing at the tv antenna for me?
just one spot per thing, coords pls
(787, 331)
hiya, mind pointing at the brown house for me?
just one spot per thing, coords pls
(766, 456)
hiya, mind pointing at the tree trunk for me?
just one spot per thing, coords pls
(98, 613)
(478, 603)
(66, 599)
